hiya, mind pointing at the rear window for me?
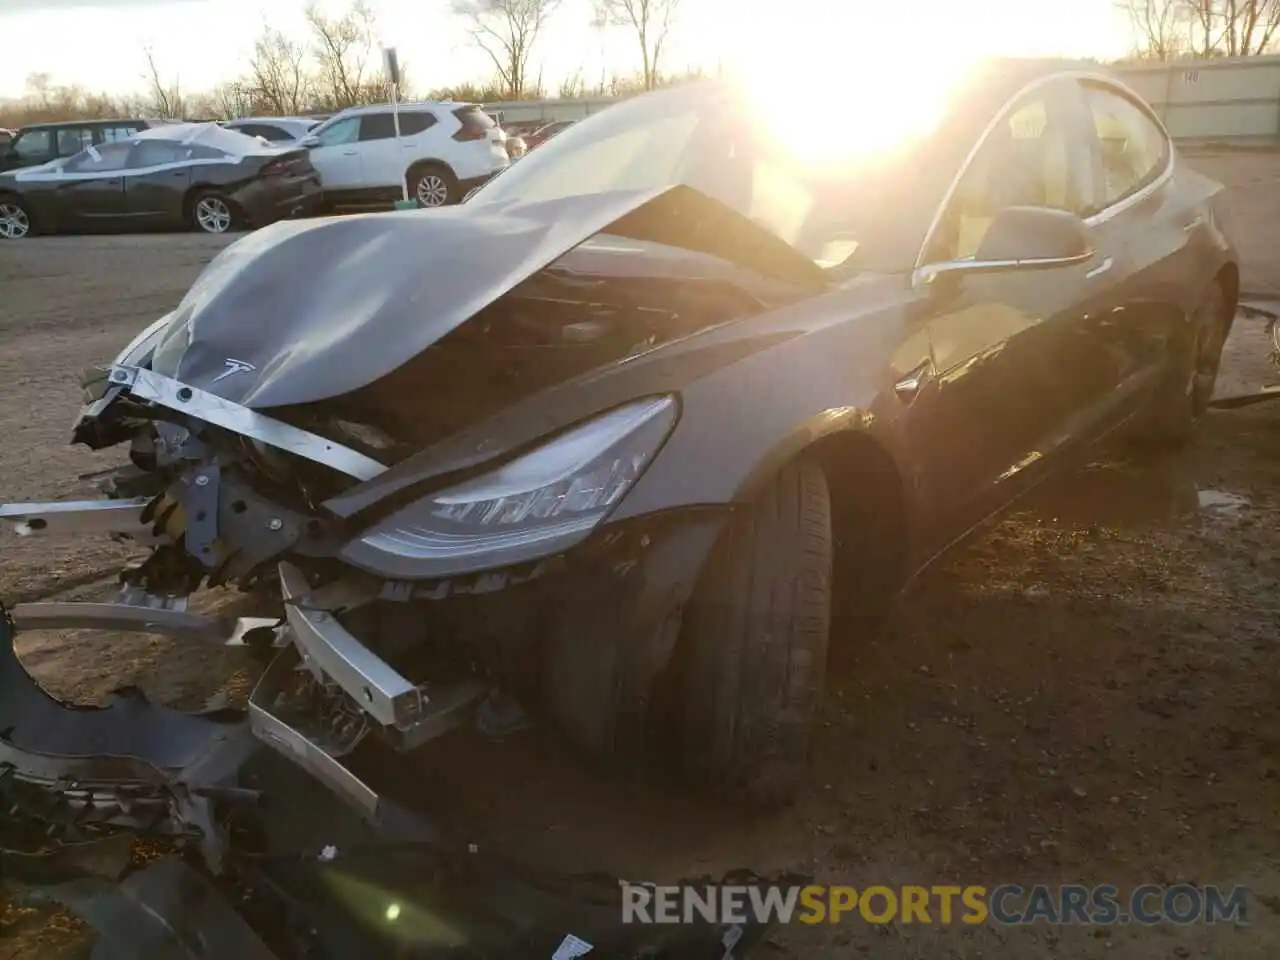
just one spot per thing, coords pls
(474, 116)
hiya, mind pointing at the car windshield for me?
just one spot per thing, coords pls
(697, 137)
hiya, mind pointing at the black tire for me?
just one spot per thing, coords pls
(1182, 402)
(16, 222)
(432, 182)
(751, 663)
(210, 212)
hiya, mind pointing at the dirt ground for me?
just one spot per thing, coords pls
(1089, 694)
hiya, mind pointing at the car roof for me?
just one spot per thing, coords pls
(273, 120)
(406, 107)
(89, 123)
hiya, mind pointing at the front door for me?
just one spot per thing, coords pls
(337, 155)
(1009, 349)
(89, 189)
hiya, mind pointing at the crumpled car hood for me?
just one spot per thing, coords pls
(303, 311)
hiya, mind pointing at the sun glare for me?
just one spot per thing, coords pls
(883, 102)
(837, 82)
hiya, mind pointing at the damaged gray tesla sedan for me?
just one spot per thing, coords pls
(625, 434)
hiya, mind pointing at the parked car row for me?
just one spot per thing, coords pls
(100, 175)
(200, 175)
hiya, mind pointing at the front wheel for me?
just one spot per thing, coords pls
(751, 663)
(15, 219)
(212, 213)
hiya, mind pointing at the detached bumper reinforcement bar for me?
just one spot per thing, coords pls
(327, 646)
(211, 408)
(72, 615)
(282, 736)
(77, 517)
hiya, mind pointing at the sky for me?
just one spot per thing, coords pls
(99, 44)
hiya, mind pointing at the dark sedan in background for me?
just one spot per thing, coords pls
(199, 175)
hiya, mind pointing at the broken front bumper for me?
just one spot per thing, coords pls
(323, 884)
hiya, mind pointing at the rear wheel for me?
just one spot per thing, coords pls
(1186, 397)
(433, 185)
(751, 664)
(212, 213)
(15, 219)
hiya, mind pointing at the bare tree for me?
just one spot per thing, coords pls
(506, 30)
(1250, 26)
(1159, 25)
(232, 100)
(343, 47)
(650, 19)
(278, 74)
(40, 89)
(1234, 28)
(165, 98)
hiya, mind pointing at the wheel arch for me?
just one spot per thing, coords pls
(196, 189)
(869, 504)
(429, 162)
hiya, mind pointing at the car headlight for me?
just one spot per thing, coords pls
(537, 504)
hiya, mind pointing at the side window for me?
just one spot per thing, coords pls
(1030, 158)
(377, 126)
(71, 140)
(34, 144)
(415, 123)
(346, 130)
(1132, 147)
(154, 153)
(115, 134)
(200, 151)
(267, 132)
(108, 158)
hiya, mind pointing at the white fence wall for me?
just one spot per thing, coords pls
(1232, 100)
(1235, 100)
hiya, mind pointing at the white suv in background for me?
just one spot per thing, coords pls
(444, 150)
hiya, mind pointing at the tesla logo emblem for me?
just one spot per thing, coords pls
(234, 366)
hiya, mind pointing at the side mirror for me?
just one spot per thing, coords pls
(310, 141)
(1022, 238)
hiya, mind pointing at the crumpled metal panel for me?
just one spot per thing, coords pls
(166, 911)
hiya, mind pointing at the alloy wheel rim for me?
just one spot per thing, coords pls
(213, 215)
(432, 191)
(14, 222)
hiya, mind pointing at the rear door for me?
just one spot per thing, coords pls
(1150, 229)
(379, 154)
(157, 176)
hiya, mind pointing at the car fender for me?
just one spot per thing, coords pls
(744, 412)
